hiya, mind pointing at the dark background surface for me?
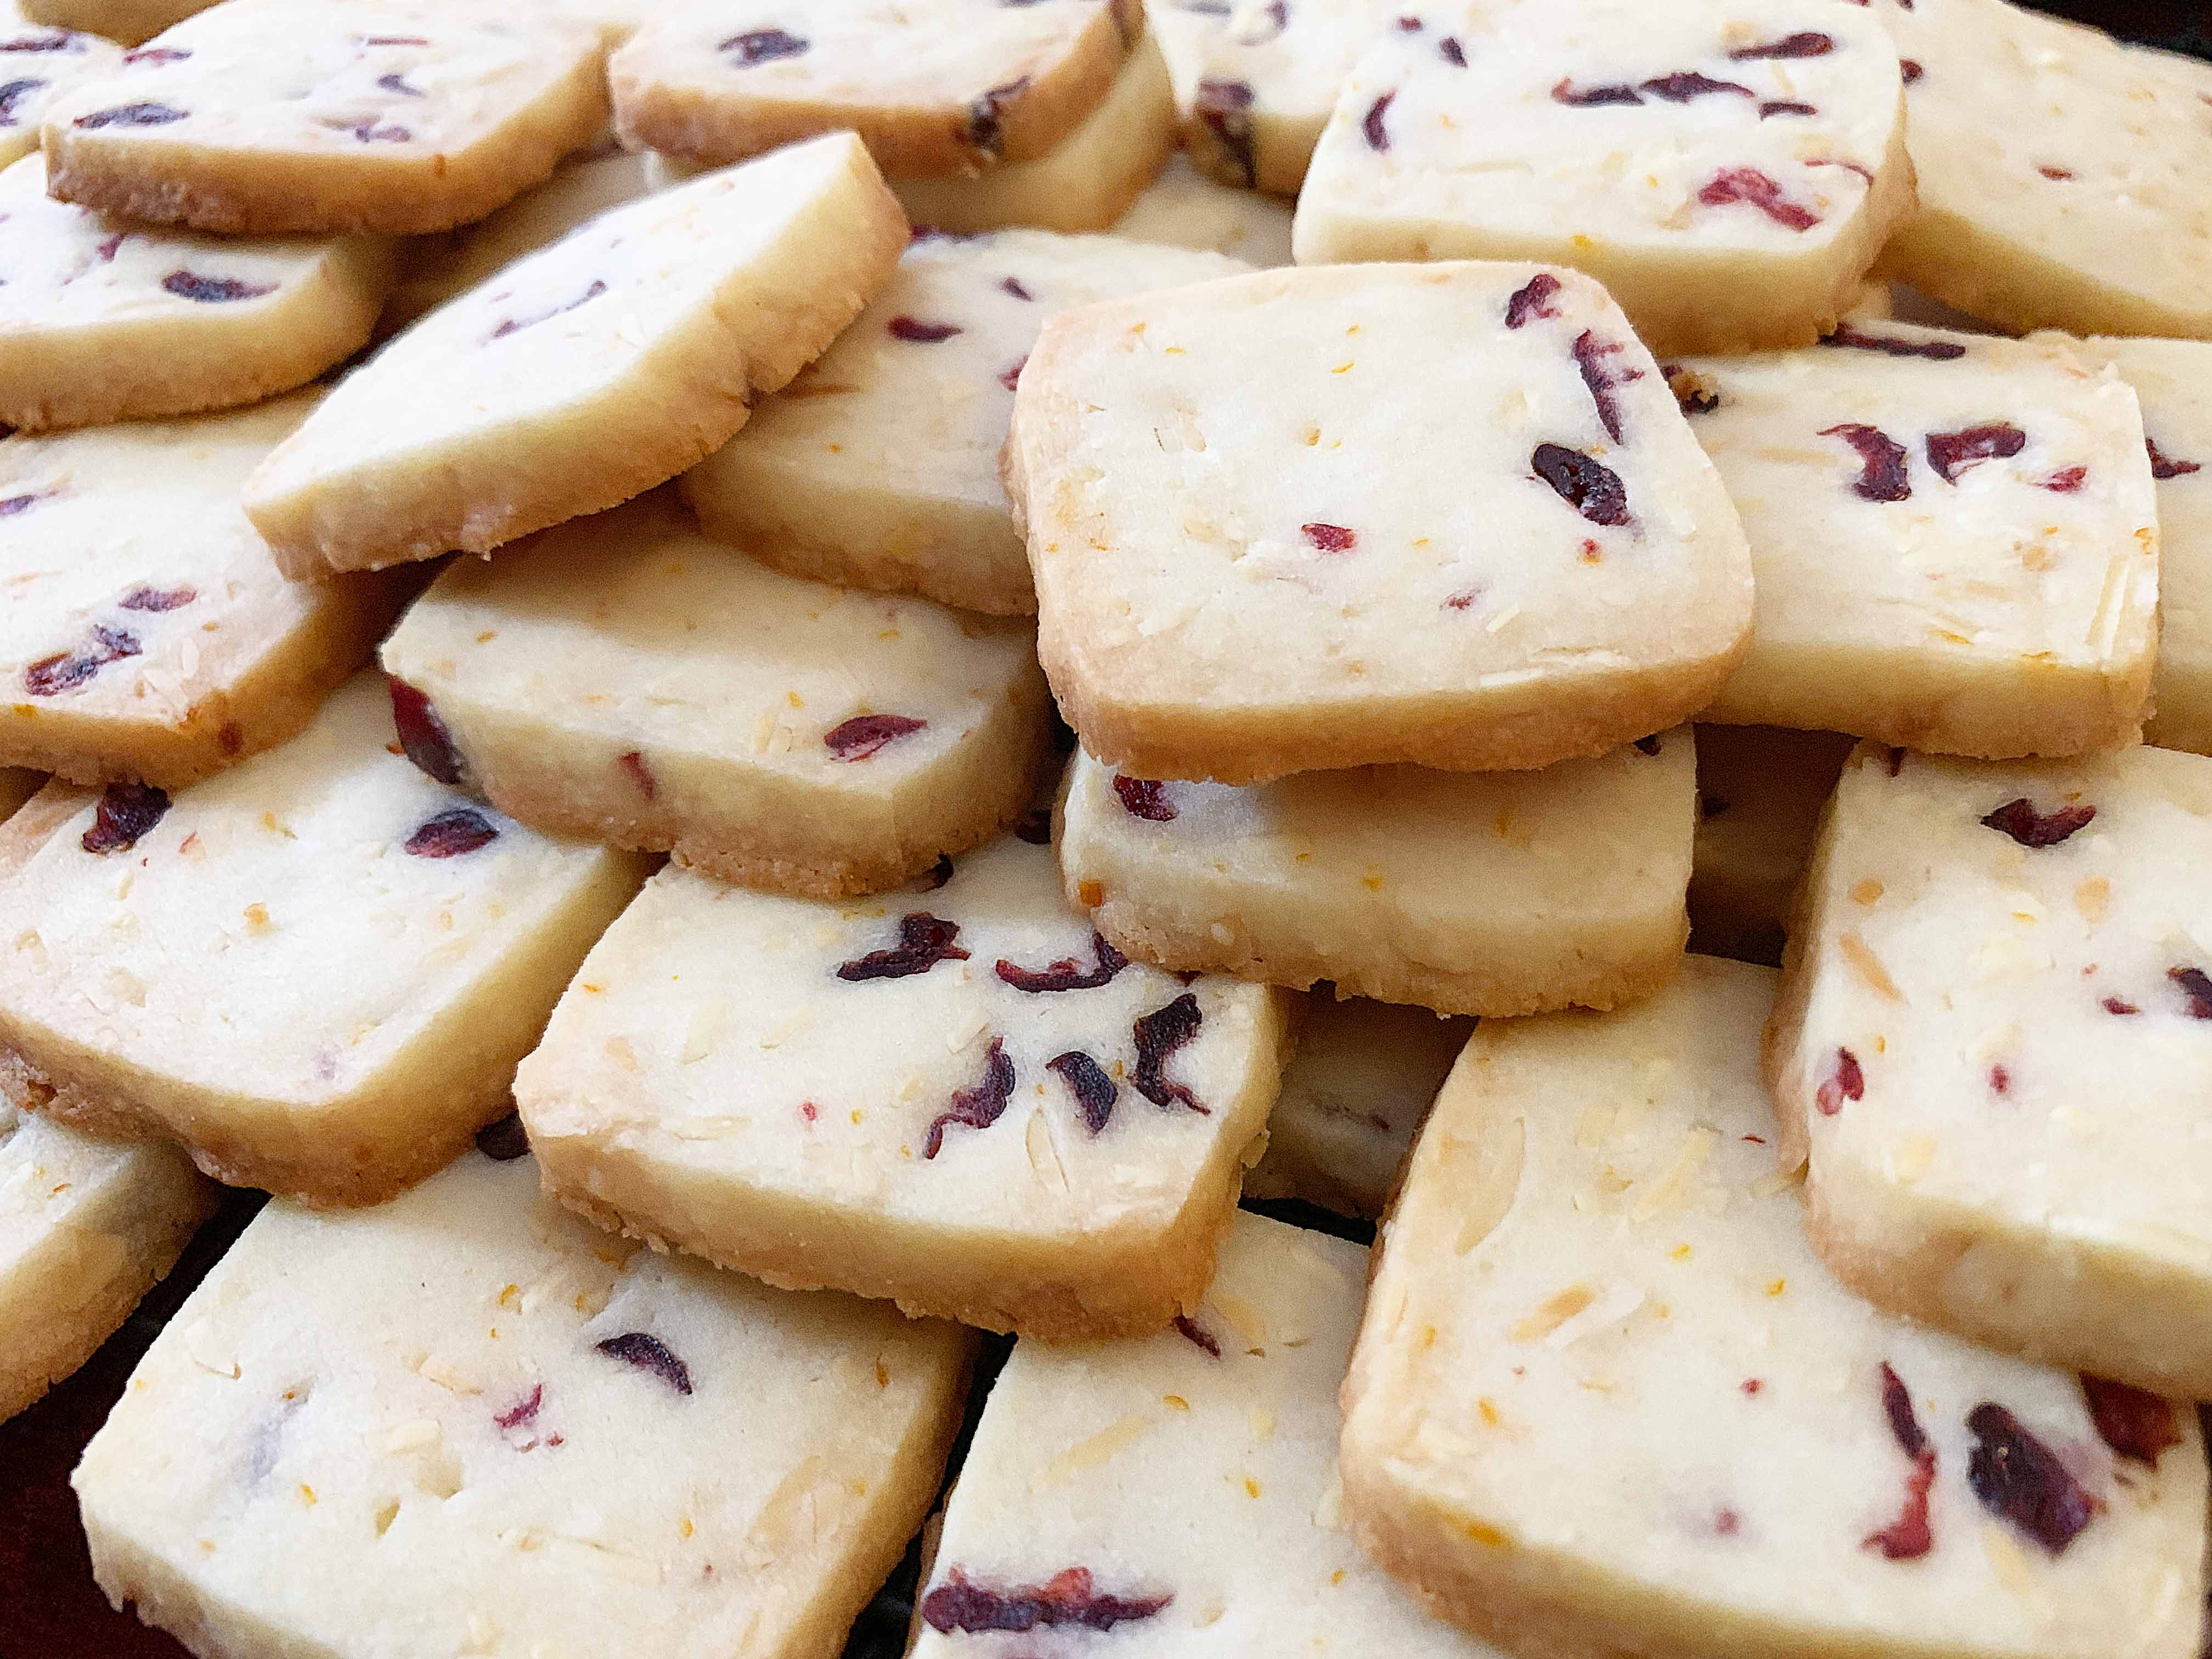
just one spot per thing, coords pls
(52, 1610)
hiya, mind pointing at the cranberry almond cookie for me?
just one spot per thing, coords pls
(957, 1096)
(1954, 539)
(836, 742)
(1727, 170)
(315, 972)
(1993, 1047)
(879, 466)
(37, 64)
(1209, 465)
(1607, 1400)
(1466, 892)
(149, 635)
(1760, 789)
(588, 372)
(465, 1422)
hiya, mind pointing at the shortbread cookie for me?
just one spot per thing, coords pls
(129, 22)
(1239, 461)
(1185, 208)
(1728, 171)
(879, 467)
(104, 320)
(1954, 539)
(1994, 1045)
(87, 1226)
(464, 1422)
(38, 64)
(1760, 789)
(147, 635)
(1466, 892)
(1353, 1094)
(1606, 1401)
(2059, 179)
(315, 971)
(267, 118)
(938, 90)
(1085, 182)
(1180, 1490)
(591, 683)
(957, 1096)
(589, 371)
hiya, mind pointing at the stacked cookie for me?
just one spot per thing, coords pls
(1568, 558)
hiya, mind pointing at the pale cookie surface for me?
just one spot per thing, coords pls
(1727, 170)
(1954, 539)
(1606, 1398)
(392, 115)
(466, 1422)
(1995, 1041)
(148, 633)
(1185, 208)
(129, 22)
(315, 971)
(937, 89)
(587, 372)
(957, 1096)
(1760, 789)
(1242, 460)
(104, 321)
(38, 63)
(1179, 1491)
(2058, 173)
(87, 1226)
(1353, 1094)
(878, 467)
(836, 742)
(1085, 182)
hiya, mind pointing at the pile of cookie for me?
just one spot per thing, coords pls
(546, 564)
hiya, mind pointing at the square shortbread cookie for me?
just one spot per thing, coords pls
(1206, 466)
(837, 743)
(1727, 170)
(1466, 892)
(1954, 540)
(315, 971)
(465, 1422)
(1760, 789)
(1606, 1398)
(38, 64)
(1994, 1044)
(959, 1097)
(1185, 208)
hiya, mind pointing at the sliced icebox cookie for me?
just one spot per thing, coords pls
(1466, 892)
(587, 683)
(1185, 208)
(959, 1096)
(1205, 467)
(315, 972)
(1760, 790)
(879, 466)
(466, 1421)
(1954, 539)
(1727, 170)
(38, 64)
(1607, 1399)
(1994, 1045)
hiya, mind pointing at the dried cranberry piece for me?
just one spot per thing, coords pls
(2018, 819)
(1197, 1335)
(158, 598)
(2065, 481)
(1883, 463)
(2162, 467)
(394, 40)
(1160, 1034)
(59, 40)
(984, 124)
(1774, 106)
(1889, 346)
(1013, 286)
(2021, 1480)
(1224, 109)
(1846, 1082)
(126, 812)
(1531, 299)
(505, 1140)
(1909, 69)
(2123, 1007)
(980, 1106)
(915, 330)
(1693, 393)
(648, 1353)
(524, 1411)
(424, 736)
(1064, 975)
(1035, 826)
(1590, 97)
(634, 769)
(213, 290)
(1331, 537)
(1806, 43)
(1583, 483)
(515, 326)
(2000, 1080)
(2136, 1424)
(11, 92)
(108, 249)
(131, 115)
(156, 55)
(1951, 452)
(1371, 124)
(397, 85)
(762, 47)
(1897, 1405)
(1095, 1091)
(1908, 1537)
(1146, 799)
(1591, 353)
(1067, 1598)
(1683, 85)
(1011, 376)
(2197, 985)
(66, 670)
(1754, 188)
(457, 830)
(924, 941)
(1451, 51)
(860, 737)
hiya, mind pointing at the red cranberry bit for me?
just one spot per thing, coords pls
(1452, 52)
(1465, 601)
(513, 326)
(1160, 1034)
(1806, 43)
(1751, 1385)
(1064, 975)
(2021, 1480)
(1371, 124)
(1094, 1091)
(1531, 299)
(2136, 1424)
(985, 124)
(2119, 1006)
(457, 830)
(1146, 799)
(424, 735)
(1694, 395)
(1683, 85)
(126, 812)
(1952, 453)
(1911, 70)
(918, 332)
(158, 598)
(2163, 468)
(156, 55)
(979, 1107)
(2018, 819)
(2000, 1080)
(108, 249)
(1409, 25)
(648, 1353)
(66, 670)
(1846, 1082)
(2065, 481)
(860, 737)
(1907, 1538)
(1882, 462)
(1774, 106)
(370, 132)
(1588, 485)
(2196, 986)
(503, 1141)
(524, 1411)
(924, 941)
(1936, 351)
(1013, 286)
(2056, 175)
(1197, 1335)
(1224, 109)
(1011, 376)
(1330, 537)
(937, 875)
(397, 85)
(10, 92)
(634, 769)
(1035, 826)
(1751, 186)
(130, 115)
(59, 40)
(394, 40)
(1591, 353)
(1590, 97)
(213, 290)
(1067, 1598)
(762, 47)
